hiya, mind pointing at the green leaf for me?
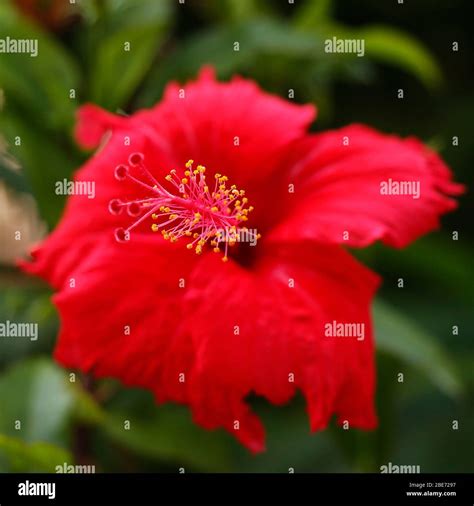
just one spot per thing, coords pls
(44, 160)
(36, 394)
(34, 457)
(449, 268)
(86, 409)
(117, 69)
(240, 9)
(25, 304)
(165, 433)
(216, 47)
(381, 43)
(224, 12)
(313, 14)
(39, 85)
(397, 48)
(401, 337)
(290, 442)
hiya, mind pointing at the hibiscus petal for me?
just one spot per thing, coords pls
(254, 333)
(87, 220)
(340, 195)
(205, 119)
(121, 317)
(93, 122)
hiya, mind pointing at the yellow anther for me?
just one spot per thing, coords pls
(227, 203)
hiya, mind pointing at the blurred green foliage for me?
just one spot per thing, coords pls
(282, 47)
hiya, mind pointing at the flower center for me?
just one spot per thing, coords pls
(191, 209)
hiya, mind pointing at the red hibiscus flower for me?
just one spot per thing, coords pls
(278, 205)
